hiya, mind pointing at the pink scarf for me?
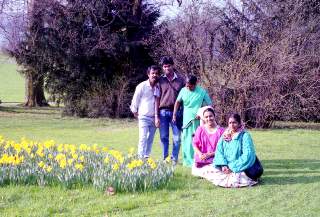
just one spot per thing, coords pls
(228, 133)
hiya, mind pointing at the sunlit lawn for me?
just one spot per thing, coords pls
(290, 185)
(11, 81)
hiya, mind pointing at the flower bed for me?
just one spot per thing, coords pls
(48, 163)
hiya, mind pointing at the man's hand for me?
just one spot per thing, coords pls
(157, 121)
(135, 114)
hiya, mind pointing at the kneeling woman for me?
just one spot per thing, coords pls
(204, 143)
(235, 153)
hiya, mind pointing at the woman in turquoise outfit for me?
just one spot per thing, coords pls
(234, 154)
(192, 97)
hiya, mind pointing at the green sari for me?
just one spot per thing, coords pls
(192, 101)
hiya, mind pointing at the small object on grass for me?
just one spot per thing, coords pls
(110, 191)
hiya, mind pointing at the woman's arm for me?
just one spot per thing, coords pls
(207, 101)
(196, 142)
(247, 157)
(219, 159)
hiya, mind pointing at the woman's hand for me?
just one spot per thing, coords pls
(209, 155)
(174, 118)
(203, 156)
(226, 170)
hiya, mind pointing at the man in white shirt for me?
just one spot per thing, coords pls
(142, 106)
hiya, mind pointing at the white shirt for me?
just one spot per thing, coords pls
(144, 98)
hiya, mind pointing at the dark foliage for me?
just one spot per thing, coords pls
(79, 45)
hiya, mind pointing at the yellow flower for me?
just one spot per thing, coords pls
(63, 164)
(151, 163)
(60, 148)
(17, 147)
(117, 155)
(41, 164)
(74, 156)
(40, 151)
(70, 161)
(134, 163)
(115, 167)
(49, 143)
(83, 147)
(168, 159)
(106, 160)
(81, 158)
(18, 160)
(79, 167)
(60, 157)
(50, 156)
(48, 168)
(95, 148)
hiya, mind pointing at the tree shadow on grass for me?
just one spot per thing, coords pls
(292, 171)
(25, 110)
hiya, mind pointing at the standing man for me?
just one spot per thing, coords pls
(143, 108)
(169, 85)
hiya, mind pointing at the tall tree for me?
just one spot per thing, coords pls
(14, 23)
(77, 46)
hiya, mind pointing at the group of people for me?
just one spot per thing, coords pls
(214, 153)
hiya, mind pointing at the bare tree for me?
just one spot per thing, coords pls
(261, 59)
(13, 27)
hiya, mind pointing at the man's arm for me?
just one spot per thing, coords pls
(136, 101)
(156, 111)
(175, 110)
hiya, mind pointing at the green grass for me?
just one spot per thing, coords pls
(11, 81)
(290, 185)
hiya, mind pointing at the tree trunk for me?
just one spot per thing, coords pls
(34, 91)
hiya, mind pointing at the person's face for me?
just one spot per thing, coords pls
(209, 118)
(233, 124)
(190, 87)
(167, 68)
(153, 76)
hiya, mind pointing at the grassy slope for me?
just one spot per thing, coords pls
(290, 184)
(11, 82)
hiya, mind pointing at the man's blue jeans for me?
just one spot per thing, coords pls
(165, 123)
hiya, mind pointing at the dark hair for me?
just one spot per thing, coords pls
(154, 68)
(166, 60)
(235, 116)
(191, 79)
(209, 110)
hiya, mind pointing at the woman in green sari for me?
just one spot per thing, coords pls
(192, 97)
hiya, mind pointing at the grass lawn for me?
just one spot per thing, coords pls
(11, 81)
(290, 185)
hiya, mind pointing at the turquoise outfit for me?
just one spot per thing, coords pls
(192, 101)
(238, 154)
